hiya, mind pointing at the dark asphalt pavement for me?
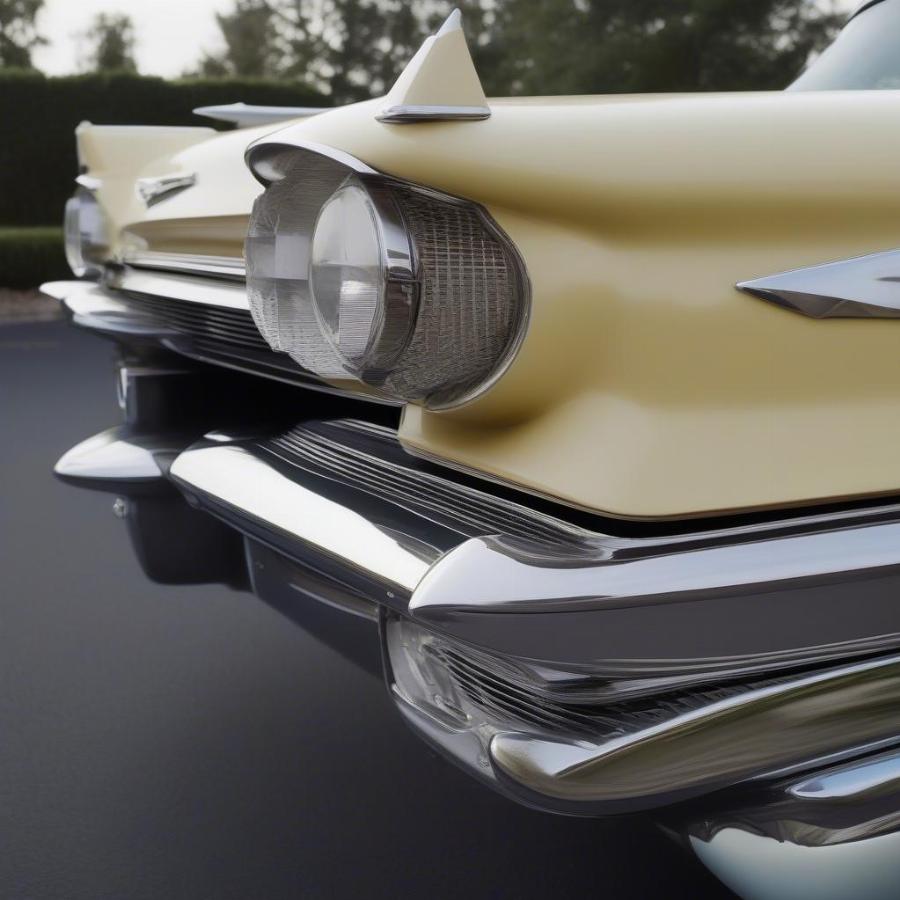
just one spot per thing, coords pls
(184, 743)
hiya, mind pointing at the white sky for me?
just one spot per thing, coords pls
(171, 34)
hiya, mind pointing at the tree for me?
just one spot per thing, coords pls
(606, 46)
(18, 35)
(252, 43)
(111, 38)
(354, 49)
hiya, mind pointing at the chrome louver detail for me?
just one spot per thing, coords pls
(153, 190)
(865, 287)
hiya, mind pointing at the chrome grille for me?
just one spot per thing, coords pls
(385, 470)
(505, 696)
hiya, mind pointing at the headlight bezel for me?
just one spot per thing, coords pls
(502, 306)
(85, 232)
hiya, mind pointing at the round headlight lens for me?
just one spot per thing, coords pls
(347, 272)
(416, 294)
(85, 234)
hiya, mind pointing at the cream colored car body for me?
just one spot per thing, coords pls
(647, 386)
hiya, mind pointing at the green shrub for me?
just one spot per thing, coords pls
(29, 256)
(39, 116)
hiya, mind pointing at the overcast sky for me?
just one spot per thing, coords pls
(171, 34)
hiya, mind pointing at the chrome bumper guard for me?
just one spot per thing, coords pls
(579, 671)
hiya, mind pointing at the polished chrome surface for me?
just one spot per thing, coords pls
(866, 287)
(407, 115)
(832, 835)
(788, 723)
(230, 294)
(230, 267)
(644, 613)
(219, 333)
(246, 115)
(159, 188)
(119, 455)
(245, 484)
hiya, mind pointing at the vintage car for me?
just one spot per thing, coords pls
(585, 409)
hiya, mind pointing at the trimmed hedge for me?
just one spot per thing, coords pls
(30, 256)
(39, 116)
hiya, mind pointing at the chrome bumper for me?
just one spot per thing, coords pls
(608, 674)
(578, 671)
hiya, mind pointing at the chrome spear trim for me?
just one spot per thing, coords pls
(153, 190)
(865, 287)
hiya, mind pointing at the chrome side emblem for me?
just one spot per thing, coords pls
(153, 190)
(866, 287)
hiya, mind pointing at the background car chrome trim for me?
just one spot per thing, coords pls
(725, 743)
(407, 115)
(245, 115)
(669, 610)
(120, 455)
(136, 316)
(177, 286)
(154, 190)
(866, 287)
(89, 182)
(231, 267)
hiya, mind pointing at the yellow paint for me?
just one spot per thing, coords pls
(647, 386)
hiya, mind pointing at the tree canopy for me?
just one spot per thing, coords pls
(111, 44)
(18, 35)
(353, 49)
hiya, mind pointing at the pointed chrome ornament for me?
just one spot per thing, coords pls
(865, 287)
(439, 83)
(153, 190)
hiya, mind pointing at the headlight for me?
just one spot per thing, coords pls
(415, 293)
(85, 234)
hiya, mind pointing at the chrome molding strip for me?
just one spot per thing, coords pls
(247, 115)
(119, 455)
(229, 294)
(769, 729)
(230, 267)
(235, 477)
(867, 287)
(155, 190)
(407, 115)
(663, 611)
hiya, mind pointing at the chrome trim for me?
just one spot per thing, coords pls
(865, 287)
(269, 160)
(89, 183)
(247, 115)
(645, 613)
(266, 157)
(230, 267)
(119, 455)
(408, 115)
(162, 187)
(266, 496)
(176, 286)
(789, 724)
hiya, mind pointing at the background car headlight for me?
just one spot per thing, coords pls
(85, 234)
(415, 293)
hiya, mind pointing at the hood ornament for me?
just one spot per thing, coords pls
(439, 83)
(153, 190)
